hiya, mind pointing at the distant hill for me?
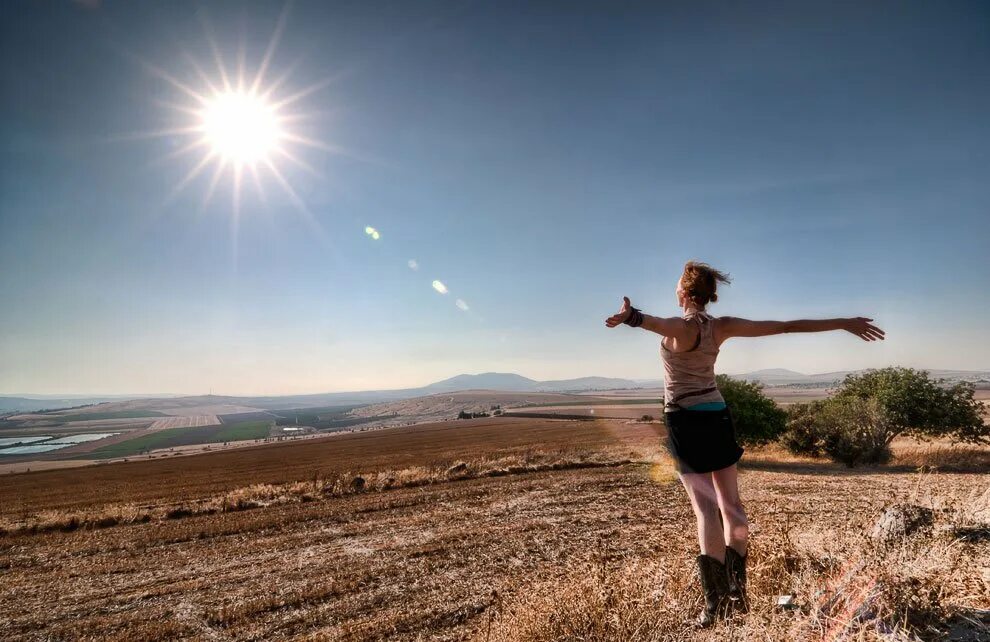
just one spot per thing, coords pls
(507, 381)
(33, 403)
(511, 382)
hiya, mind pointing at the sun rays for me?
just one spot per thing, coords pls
(235, 126)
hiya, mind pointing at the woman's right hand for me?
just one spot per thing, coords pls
(862, 328)
(621, 316)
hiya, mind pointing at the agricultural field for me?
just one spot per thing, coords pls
(184, 436)
(193, 421)
(491, 529)
(92, 416)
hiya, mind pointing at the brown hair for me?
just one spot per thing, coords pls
(700, 281)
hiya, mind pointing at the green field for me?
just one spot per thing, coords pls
(182, 437)
(116, 414)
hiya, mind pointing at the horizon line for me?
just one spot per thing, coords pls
(69, 395)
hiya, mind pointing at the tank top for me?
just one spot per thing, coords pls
(689, 376)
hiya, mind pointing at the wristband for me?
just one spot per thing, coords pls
(635, 318)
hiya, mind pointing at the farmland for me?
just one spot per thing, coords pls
(476, 529)
(173, 437)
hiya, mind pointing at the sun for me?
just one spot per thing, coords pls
(234, 125)
(241, 128)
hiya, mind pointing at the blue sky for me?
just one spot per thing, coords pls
(833, 157)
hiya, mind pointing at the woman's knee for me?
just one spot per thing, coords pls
(706, 509)
(735, 514)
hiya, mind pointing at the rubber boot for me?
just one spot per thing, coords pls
(715, 586)
(735, 569)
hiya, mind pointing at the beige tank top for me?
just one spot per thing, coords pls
(689, 376)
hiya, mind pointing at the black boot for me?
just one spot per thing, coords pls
(715, 585)
(735, 568)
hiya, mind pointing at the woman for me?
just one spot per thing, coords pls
(700, 432)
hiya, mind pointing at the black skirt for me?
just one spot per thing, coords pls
(702, 440)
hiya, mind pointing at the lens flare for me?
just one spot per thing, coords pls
(440, 287)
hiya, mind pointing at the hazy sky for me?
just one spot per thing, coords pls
(541, 163)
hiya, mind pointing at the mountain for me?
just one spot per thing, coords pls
(511, 382)
(506, 381)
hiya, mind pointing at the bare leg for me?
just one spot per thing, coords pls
(701, 491)
(734, 515)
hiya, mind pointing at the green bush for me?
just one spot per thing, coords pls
(758, 419)
(802, 435)
(847, 429)
(857, 431)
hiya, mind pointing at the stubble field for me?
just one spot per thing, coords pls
(488, 529)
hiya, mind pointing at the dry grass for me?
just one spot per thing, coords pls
(850, 586)
(487, 530)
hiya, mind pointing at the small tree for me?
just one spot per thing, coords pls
(850, 430)
(758, 419)
(803, 433)
(920, 406)
(857, 431)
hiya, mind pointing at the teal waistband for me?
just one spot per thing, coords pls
(708, 405)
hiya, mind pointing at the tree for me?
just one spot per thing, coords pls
(854, 430)
(757, 418)
(919, 406)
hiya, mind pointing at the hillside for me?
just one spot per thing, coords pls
(442, 406)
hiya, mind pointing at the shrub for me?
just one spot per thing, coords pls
(802, 435)
(847, 429)
(856, 431)
(920, 406)
(758, 419)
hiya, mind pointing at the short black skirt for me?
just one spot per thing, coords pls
(702, 440)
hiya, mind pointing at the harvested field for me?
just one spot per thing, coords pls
(488, 529)
(604, 411)
(192, 421)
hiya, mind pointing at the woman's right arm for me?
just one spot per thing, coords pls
(667, 326)
(735, 327)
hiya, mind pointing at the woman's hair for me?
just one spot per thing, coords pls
(700, 281)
